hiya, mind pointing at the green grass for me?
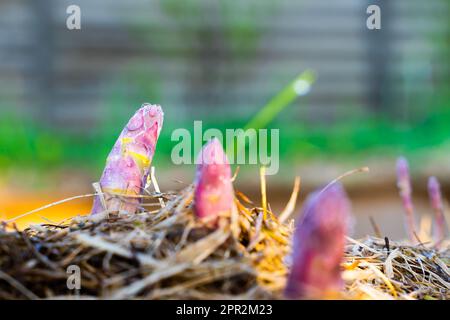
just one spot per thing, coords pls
(26, 144)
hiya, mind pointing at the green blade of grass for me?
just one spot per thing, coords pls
(300, 86)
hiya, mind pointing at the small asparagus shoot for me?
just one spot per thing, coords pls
(404, 186)
(213, 195)
(318, 245)
(434, 191)
(128, 163)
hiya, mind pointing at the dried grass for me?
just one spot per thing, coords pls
(166, 254)
(380, 269)
(158, 255)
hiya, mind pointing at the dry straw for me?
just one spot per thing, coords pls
(165, 253)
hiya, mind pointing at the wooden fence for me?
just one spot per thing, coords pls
(203, 58)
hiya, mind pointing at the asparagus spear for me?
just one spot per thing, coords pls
(213, 195)
(128, 164)
(318, 245)
(434, 191)
(404, 186)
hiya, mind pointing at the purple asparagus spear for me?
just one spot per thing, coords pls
(434, 191)
(213, 195)
(404, 186)
(318, 245)
(128, 164)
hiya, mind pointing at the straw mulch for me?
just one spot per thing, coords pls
(164, 253)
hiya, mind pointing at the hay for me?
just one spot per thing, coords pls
(166, 254)
(382, 269)
(160, 254)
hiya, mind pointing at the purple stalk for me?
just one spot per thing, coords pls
(318, 245)
(404, 186)
(128, 163)
(434, 191)
(213, 195)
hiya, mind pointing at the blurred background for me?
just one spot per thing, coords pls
(65, 95)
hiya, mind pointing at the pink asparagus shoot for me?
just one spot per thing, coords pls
(128, 164)
(213, 195)
(434, 191)
(404, 186)
(318, 245)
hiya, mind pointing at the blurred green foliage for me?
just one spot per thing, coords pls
(24, 143)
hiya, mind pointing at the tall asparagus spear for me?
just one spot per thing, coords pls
(318, 245)
(404, 186)
(213, 195)
(434, 191)
(128, 164)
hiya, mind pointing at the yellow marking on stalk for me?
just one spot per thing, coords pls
(142, 161)
(118, 192)
(127, 140)
(213, 197)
